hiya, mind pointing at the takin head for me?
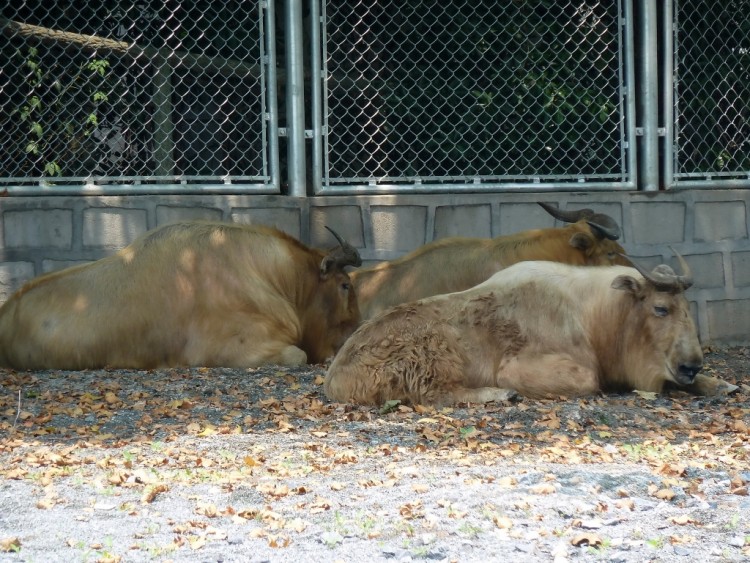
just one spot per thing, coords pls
(336, 304)
(595, 235)
(663, 343)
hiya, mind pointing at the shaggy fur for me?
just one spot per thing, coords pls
(536, 328)
(457, 263)
(187, 294)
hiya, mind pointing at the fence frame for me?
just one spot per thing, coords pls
(684, 180)
(629, 139)
(121, 185)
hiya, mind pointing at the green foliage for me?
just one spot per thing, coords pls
(59, 108)
(494, 88)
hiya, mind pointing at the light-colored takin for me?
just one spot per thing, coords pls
(539, 329)
(457, 263)
(195, 293)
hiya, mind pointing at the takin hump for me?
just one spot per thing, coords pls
(458, 263)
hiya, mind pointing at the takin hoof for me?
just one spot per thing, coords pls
(499, 395)
(725, 389)
(293, 356)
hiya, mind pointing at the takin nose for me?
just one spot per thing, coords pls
(689, 370)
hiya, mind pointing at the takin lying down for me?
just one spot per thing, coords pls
(193, 293)
(538, 329)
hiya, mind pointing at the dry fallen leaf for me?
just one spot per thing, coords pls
(10, 544)
(151, 491)
(625, 504)
(46, 503)
(586, 539)
(207, 509)
(502, 522)
(664, 494)
(196, 542)
(682, 520)
(543, 489)
(279, 541)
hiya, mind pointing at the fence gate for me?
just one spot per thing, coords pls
(708, 94)
(139, 96)
(473, 95)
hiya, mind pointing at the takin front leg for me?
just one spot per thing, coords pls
(538, 376)
(710, 386)
(242, 341)
(479, 395)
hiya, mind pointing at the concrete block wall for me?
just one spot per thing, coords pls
(709, 227)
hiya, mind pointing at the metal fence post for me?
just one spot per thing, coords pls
(316, 94)
(295, 98)
(668, 95)
(271, 101)
(648, 171)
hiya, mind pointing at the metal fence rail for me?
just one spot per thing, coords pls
(139, 95)
(476, 94)
(710, 141)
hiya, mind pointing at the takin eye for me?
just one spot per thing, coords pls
(660, 311)
(346, 286)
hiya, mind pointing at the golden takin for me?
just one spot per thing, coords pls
(458, 263)
(539, 329)
(193, 293)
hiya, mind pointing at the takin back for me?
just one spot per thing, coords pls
(457, 263)
(541, 329)
(193, 293)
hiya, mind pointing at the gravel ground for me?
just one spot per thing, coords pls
(256, 465)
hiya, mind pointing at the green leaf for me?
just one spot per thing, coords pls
(52, 169)
(390, 406)
(467, 431)
(36, 128)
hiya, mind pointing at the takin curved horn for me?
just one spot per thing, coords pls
(345, 254)
(663, 277)
(567, 216)
(604, 226)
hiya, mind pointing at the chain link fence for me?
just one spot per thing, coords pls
(464, 95)
(711, 90)
(148, 92)
(475, 91)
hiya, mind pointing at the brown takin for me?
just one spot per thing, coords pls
(540, 329)
(457, 263)
(187, 294)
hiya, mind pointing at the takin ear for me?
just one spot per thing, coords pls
(627, 283)
(326, 266)
(581, 241)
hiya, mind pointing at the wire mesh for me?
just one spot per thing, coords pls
(487, 90)
(143, 90)
(712, 89)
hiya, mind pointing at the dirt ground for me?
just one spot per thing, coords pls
(256, 465)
